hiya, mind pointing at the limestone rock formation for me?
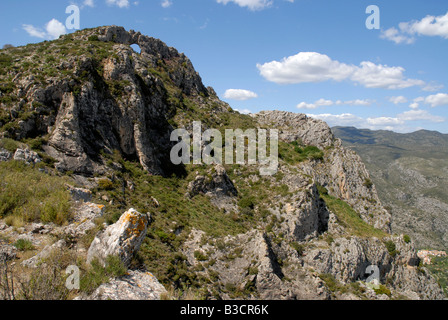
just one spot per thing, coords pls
(343, 174)
(26, 156)
(136, 285)
(121, 239)
(5, 155)
(216, 185)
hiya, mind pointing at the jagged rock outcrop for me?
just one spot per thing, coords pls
(7, 253)
(27, 156)
(216, 185)
(80, 194)
(114, 102)
(343, 173)
(5, 155)
(84, 218)
(248, 263)
(297, 126)
(121, 239)
(39, 258)
(136, 285)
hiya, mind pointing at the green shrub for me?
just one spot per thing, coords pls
(9, 144)
(5, 60)
(368, 183)
(391, 248)
(331, 282)
(247, 202)
(23, 245)
(200, 256)
(383, 290)
(298, 247)
(322, 190)
(407, 238)
(93, 38)
(97, 274)
(105, 184)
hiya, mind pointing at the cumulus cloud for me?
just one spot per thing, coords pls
(118, 3)
(393, 34)
(33, 31)
(250, 4)
(344, 119)
(371, 75)
(400, 123)
(437, 100)
(88, 3)
(418, 115)
(305, 67)
(239, 94)
(398, 100)
(433, 86)
(166, 3)
(384, 121)
(316, 67)
(325, 102)
(428, 26)
(53, 29)
(244, 111)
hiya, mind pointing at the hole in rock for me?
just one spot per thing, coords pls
(136, 48)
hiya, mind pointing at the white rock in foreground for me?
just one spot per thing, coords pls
(121, 239)
(136, 285)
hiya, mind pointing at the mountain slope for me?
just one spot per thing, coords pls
(411, 173)
(99, 116)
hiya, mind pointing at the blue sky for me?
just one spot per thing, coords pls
(310, 56)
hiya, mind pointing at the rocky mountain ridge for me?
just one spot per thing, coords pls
(100, 115)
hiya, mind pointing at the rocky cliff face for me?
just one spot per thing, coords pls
(104, 113)
(107, 98)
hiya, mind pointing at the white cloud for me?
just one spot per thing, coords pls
(414, 105)
(418, 115)
(357, 102)
(244, 111)
(33, 31)
(398, 100)
(250, 4)
(436, 100)
(384, 121)
(166, 3)
(398, 123)
(88, 3)
(396, 36)
(433, 86)
(53, 29)
(239, 94)
(371, 75)
(324, 102)
(316, 67)
(345, 119)
(428, 26)
(118, 3)
(305, 67)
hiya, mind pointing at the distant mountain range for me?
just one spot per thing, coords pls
(410, 172)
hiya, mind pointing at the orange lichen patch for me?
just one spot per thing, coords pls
(136, 223)
(96, 206)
